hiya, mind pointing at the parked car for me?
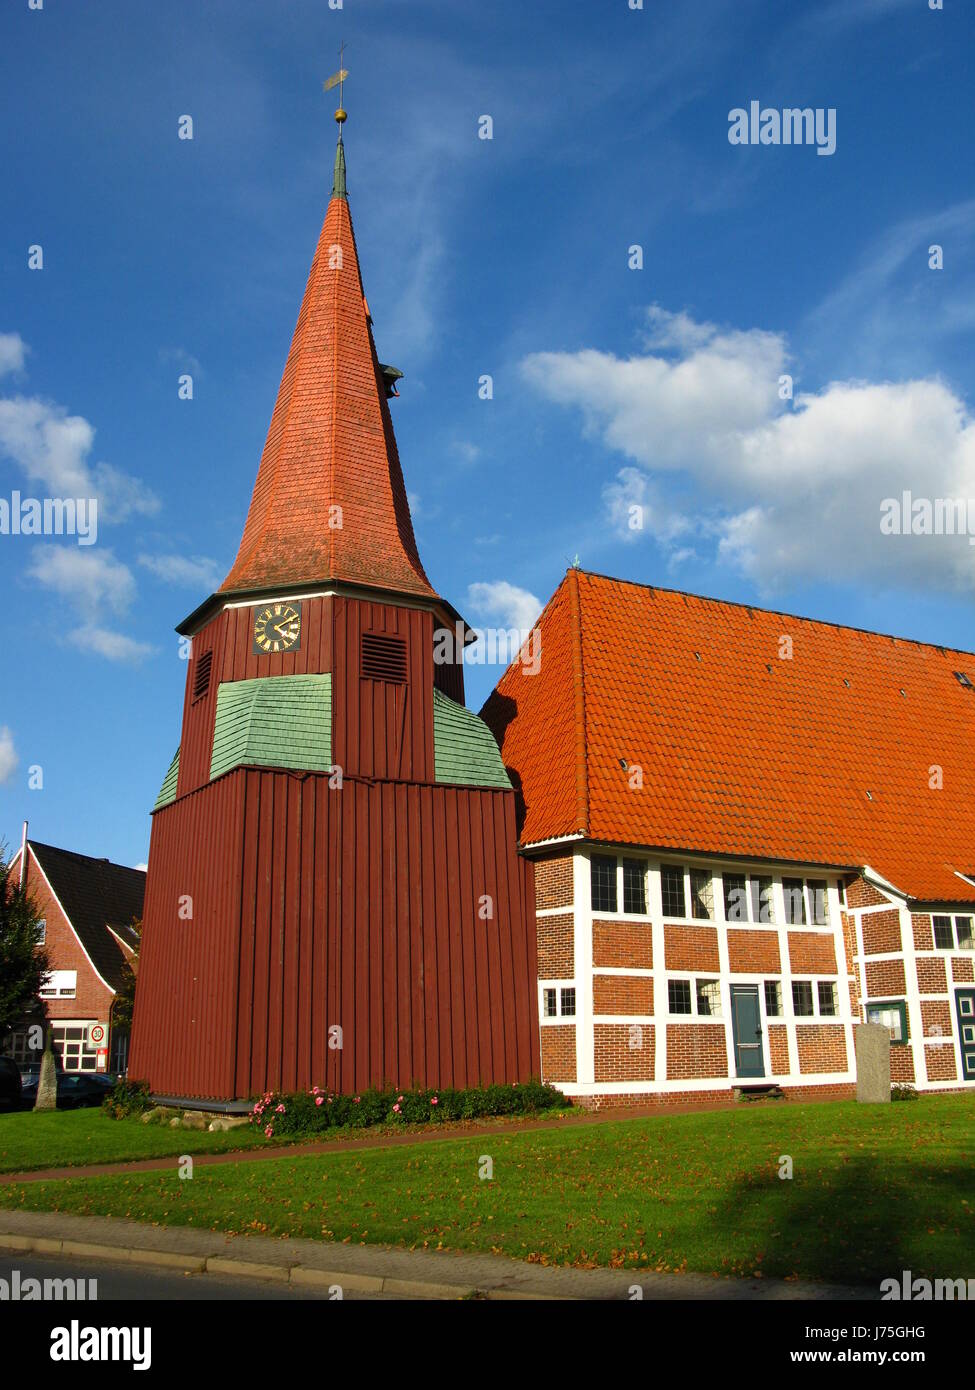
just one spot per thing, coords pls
(10, 1087)
(75, 1089)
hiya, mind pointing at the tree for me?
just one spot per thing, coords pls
(124, 1001)
(24, 963)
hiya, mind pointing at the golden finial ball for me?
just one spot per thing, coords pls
(341, 115)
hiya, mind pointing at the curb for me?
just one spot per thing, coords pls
(297, 1274)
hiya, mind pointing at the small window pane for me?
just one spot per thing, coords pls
(603, 870)
(672, 889)
(827, 999)
(41, 931)
(963, 926)
(735, 898)
(702, 894)
(943, 938)
(679, 996)
(762, 900)
(569, 1003)
(818, 901)
(709, 998)
(549, 1009)
(773, 998)
(634, 885)
(795, 908)
(802, 998)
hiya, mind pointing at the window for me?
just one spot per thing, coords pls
(59, 984)
(672, 890)
(634, 885)
(795, 908)
(762, 900)
(963, 926)
(893, 1015)
(802, 999)
(71, 1041)
(702, 894)
(679, 996)
(550, 1007)
(818, 901)
(41, 932)
(943, 937)
(827, 998)
(735, 898)
(773, 999)
(559, 1002)
(603, 872)
(709, 998)
(569, 1002)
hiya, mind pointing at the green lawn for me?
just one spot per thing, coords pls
(875, 1190)
(63, 1138)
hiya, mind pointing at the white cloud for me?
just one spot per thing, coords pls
(114, 646)
(52, 448)
(186, 571)
(8, 755)
(143, 867)
(504, 605)
(13, 350)
(785, 491)
(87, 579)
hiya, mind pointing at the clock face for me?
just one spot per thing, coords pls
(277, 627)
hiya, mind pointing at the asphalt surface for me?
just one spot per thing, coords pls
(126, 1282)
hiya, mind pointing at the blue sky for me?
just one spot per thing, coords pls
(614, 388)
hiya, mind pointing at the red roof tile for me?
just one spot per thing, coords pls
(822, 758)
(330, 443)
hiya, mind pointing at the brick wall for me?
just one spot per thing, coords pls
(932, 977)
(822, 1047)
(92, 998)
(961, 970)
(622, 994)
(860, 893)
(812, 953)
(753, 951)
(558, 1052)
(623, 1052)
(848, 923)
(885, 978)
(881, 932)
(696, 1050)
(691, 948)
(901, 1063)
(553, 882)
(939, 1063)
(936, 1018)
(556, 951)
(923, 934)
(778, 1050)
(628, 945)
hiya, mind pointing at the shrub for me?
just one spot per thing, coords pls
(311, 1112)
(903, 1091)
(127, 1098)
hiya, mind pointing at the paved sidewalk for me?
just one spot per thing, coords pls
(374, 1268)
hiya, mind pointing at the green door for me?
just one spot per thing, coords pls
(746, 1025)
(965, 1004)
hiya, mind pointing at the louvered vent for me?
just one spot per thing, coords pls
(383, 658)
(201, 676)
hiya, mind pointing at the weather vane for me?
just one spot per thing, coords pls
(337, 79)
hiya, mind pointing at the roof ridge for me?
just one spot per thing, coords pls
(774, 612)
(579, 692)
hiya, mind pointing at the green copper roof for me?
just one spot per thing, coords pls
(273, 721)
(338, 181)
(167, 792)
(464, 750)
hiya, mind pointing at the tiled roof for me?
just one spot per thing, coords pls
(464, 752)
(827, 756)
(330, 444)
(167, 792)
(95, 894)
(273, 721)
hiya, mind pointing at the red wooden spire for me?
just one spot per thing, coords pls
(329, 502)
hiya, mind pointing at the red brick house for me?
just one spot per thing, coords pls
(88, 907)
(750, 831)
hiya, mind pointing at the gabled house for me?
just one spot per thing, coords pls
(750, 831)
(88, 907)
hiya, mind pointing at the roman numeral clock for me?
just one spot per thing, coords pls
(277, 627)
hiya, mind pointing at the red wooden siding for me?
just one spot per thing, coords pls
(356, 907)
